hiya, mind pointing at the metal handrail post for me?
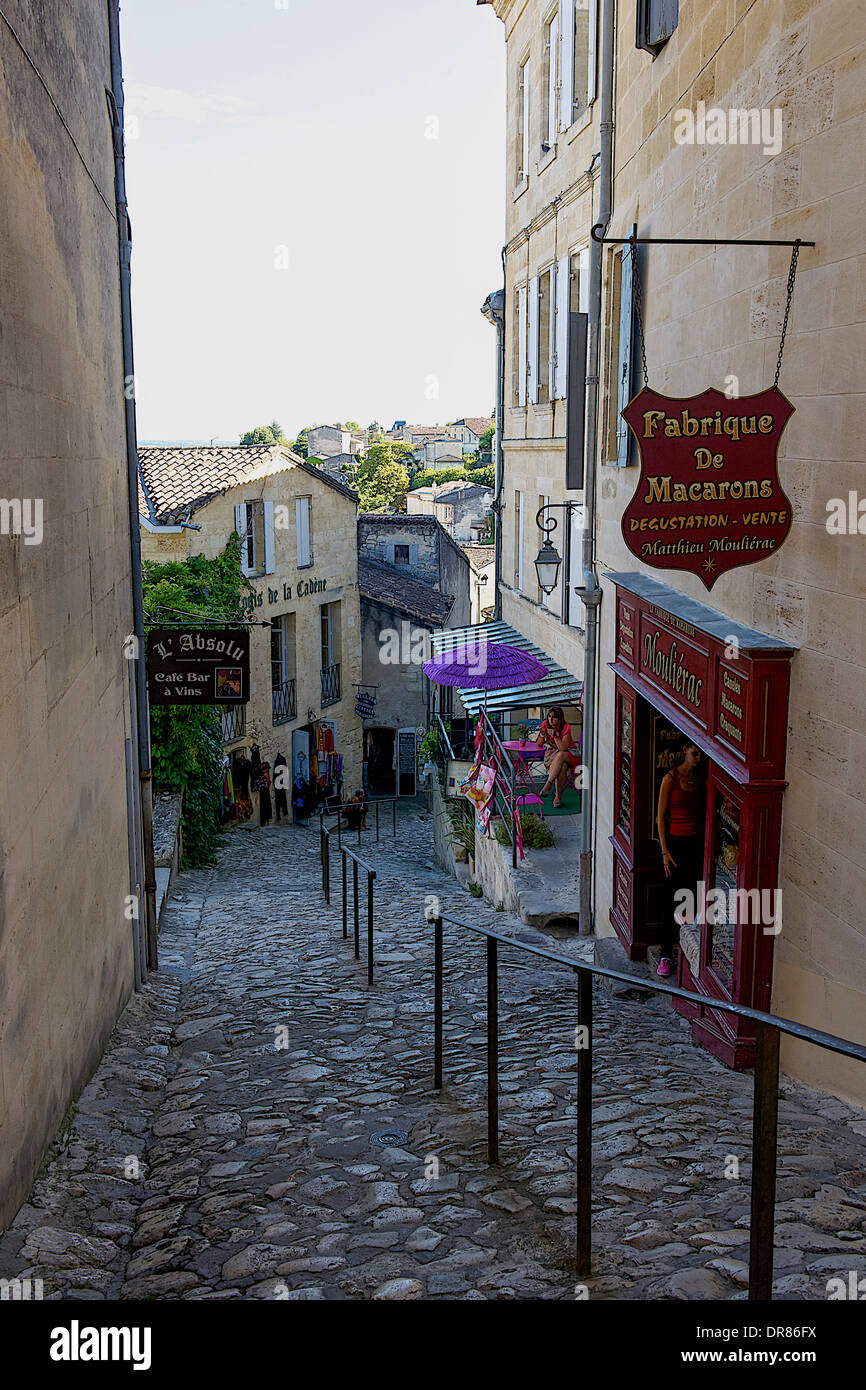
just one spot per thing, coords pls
(371, 878)
(514, 814)
(359, 832)
(339, 827)
(377, 822)
(584, 1122)
(394, 818)
(345, 897)
(437, 1003)
(355, 887)
(492, 1052)
(765, 1124)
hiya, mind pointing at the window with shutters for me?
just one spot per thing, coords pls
(250, 526)
(550, 83)
(622, 337)
(521, 172)
(656, 21)
(545, 348)
(518, 349)
(578, 47)
(518, 540)
(303, 528)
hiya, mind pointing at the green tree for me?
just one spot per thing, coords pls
(186, 740)
(265, 434)
(300, 445)
(382, 479)
(485, 446)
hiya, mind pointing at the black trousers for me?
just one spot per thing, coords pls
(281, 802)
(688, 854)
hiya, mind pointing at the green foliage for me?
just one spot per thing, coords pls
(300, 445)
(486, 444)
(382, 479)
(186, 740)
(476, 890)
(462, 828)
(537, 834)
(425, 476)
(265, 434)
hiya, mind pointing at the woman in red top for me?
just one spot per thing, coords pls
(559, 753)
(680, 821)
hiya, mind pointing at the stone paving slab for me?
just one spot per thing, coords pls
(224, 1148)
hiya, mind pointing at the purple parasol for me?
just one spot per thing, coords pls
(484, 666)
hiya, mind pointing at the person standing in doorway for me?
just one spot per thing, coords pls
(680, 819)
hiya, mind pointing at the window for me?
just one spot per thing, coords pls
(519, 348)
(283, 700)
(518, 540)
(621, 448)
(401, 554)
(522, 160)
(546, 351)
(329, 614)
(551, 83)
(579, 19)
(656, 21)
(303, 531)
(254, 523)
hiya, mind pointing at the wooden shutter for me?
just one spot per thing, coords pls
(302, 527)
(624, 384)
(591, 60)
(532, 353)
(520, 346)
(566, 64)
(270, 547)
(241, 528)
(562, 301)
(524, 150)
(574, 612)
(552, 55)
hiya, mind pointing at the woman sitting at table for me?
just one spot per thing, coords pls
(560, 752)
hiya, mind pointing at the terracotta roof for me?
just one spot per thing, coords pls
(178, 481)
(476, 423)
(479, 556)
(390, 585)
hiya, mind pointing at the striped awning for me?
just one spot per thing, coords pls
(558, 687)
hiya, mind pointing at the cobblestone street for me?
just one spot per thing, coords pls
(224, 1148)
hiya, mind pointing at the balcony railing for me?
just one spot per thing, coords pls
(234, 722)
(331, 690)
(284, 702)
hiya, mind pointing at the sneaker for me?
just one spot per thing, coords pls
(664, 966)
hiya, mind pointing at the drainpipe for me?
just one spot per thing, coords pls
(124, 235)
(493, 310)
(590, 590)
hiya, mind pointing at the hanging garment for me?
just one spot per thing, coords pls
(265, 796)
(281, 795)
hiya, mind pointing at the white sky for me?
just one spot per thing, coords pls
(253, 127)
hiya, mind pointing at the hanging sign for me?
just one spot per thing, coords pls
(709, 497)
(365, 704)
(198, 666)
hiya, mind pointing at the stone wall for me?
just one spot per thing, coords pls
(66, 962)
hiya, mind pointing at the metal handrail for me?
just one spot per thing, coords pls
(504, 767)
(444, 734)
(357, 862)
(769, 1027)
(371, 801)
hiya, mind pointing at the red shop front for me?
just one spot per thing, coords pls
(683, 669)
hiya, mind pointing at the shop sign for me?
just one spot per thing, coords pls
(674, 666)
(365, 704)
(198, 666)
(282, 593)
(709, 497)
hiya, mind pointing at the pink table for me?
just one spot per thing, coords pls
(522, 752)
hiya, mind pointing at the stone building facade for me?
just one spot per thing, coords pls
(66, 949)
(423, 550)
(300, 555)
(712, 314)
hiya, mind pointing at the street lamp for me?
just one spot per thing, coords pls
(548, 559)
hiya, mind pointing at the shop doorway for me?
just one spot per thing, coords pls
(381, 770)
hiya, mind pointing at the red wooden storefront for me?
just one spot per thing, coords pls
(682, 668)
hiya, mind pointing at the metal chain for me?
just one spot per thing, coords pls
(792, 275)
(637, 305)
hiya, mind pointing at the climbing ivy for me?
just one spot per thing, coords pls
(186, 740)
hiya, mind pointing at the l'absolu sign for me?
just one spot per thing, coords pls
(709, 497)
(198, 666)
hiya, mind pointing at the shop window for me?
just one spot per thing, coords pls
(656, 21)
